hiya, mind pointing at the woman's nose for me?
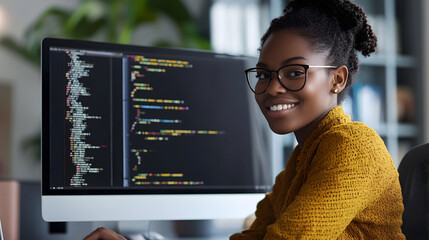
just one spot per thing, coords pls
(275, 87)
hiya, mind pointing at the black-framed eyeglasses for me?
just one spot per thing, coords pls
(292, 77)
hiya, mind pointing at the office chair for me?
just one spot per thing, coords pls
(414, 179)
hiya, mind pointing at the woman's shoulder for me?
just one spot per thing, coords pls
(352, 132)
(354, 140)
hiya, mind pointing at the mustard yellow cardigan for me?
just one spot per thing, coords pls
(342, 184)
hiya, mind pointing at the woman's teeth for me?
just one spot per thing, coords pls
(280, 107)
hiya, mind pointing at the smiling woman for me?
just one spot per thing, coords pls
(340, 181)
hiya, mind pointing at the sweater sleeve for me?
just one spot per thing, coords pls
(265, 212)
(264, 217)
(346, 174)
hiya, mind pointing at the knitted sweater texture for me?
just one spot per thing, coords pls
(342, 184)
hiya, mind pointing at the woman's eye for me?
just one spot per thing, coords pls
(262, 76)
(295, 73)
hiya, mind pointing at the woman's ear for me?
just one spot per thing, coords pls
(340, 76)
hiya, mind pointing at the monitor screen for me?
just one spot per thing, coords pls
(167, 133)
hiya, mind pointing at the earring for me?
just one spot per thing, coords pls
(335, 90)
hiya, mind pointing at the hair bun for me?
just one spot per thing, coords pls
(365, 39)
(351, 18)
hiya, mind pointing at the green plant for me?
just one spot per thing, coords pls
(107, 20)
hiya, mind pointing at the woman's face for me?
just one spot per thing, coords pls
(308, 104)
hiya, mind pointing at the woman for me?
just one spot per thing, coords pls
(340, 182)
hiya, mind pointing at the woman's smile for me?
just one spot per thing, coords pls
(280, 108)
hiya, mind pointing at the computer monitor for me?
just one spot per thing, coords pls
(147, 133)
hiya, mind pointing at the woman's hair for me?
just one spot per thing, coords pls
(338, 27)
